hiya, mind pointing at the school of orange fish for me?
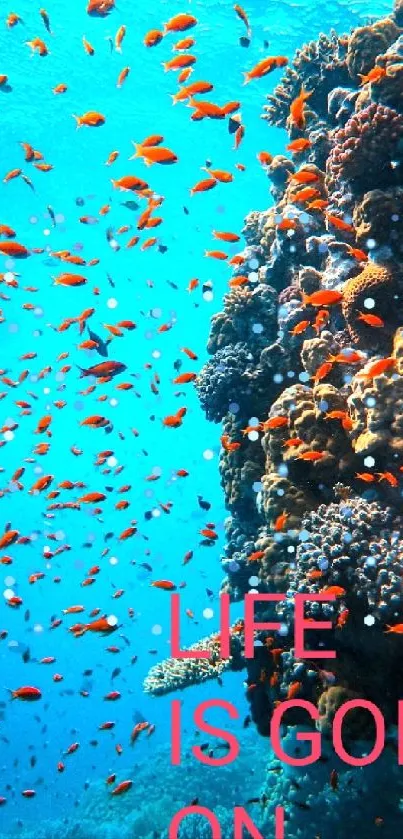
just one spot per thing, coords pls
(55, 490)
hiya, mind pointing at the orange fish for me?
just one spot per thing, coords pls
(262, 68)
(338, 591)
(153, 37)
(165, 585)
(379, 367)
(374, 75)
(275, 422)
(339, 223)
(122, 76)
(92, 119)
(367, 477)
(300, 145)
(179, 62)
(280, 522)
(300, 327)
(371, 320)
(389, 477)
(297, 108)
(323, 297)
(311, 456)
(154, 154)
(180, 23)
(185, 378)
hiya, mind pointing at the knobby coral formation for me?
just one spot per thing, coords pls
(306, 375)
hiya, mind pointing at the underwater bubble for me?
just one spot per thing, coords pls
(112, 303)
(304, 377)
(253, 581)
(156, 629)
(8, 593)
(254, 421)
(38, 312)
(369, 620)
(46, 390)
(253, 277)
(291, 549)
(112, 461)
(280, 492)
(323, 564)
(60, 535)
(208, 296)
(33, 220)
(113, 402)
(253, 591)
(369, 303)
(156, 470)
(258, 643)
(323, 406)
(369, 461)
(282, 470)
(208, 454)
(257, 328)
(112, 620)
(253, 436)
(278, 378)
(156, 354)
(59, 218)
(371, 244)
(9, 581)
(233, 407)
(304, 535)
(233, 567)
(257, 486)
(46, 232)
(156, 513)
(370, 402)
(9, 277)
(208, 613)
(156, 313)
(38, 628)
(283, 629)
(253, 263)
(59, 377)
(395, 217)
(113, 560)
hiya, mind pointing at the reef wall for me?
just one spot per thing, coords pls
(306, 377)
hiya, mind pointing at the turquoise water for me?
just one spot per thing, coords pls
(149, 288)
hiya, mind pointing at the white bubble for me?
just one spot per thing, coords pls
(60, 535)
(371, 244)
(112, 303)
(9, 277)
(369, 620)
(156, 513)
(156, 470)
(8, 593)
(253, 277)
(278, 378)
(208, 613)
(38, 627)
(257, 328)
(8, 436)
(208, 454)
(46, 390)
(46, 232)
(257, 486)
(253, 436)
(9, 581)
(254, 421)
(208, 296)
(112, 620)
(156, 629)
(156, 313)
(113, 560)
(369, 461)
(369, 303)
(113, 402)
(253, 263)
(253, 581)
(156, 354)
(112, 461)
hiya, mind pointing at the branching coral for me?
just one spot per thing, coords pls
(318, 66)
(175, 674)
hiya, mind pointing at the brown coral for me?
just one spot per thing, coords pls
(376, 408)
(379, 216)
(374, 286)
(355, 722)
(366, 43)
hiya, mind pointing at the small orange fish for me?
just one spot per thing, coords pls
(338, 591)
(379, 367)
(339, 223)
(323, 297)
(311, 456)
(389, 477)
(275, 422)
(165, 585)
(297, 108)
(280, 522)
(371, 320)
(180, 23)
(262, 68)
(299, 145)
(374, 76)
(153, 37)
(367, 477)
(300, 327)
(92, 119)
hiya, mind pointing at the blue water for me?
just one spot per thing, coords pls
(142, 291)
